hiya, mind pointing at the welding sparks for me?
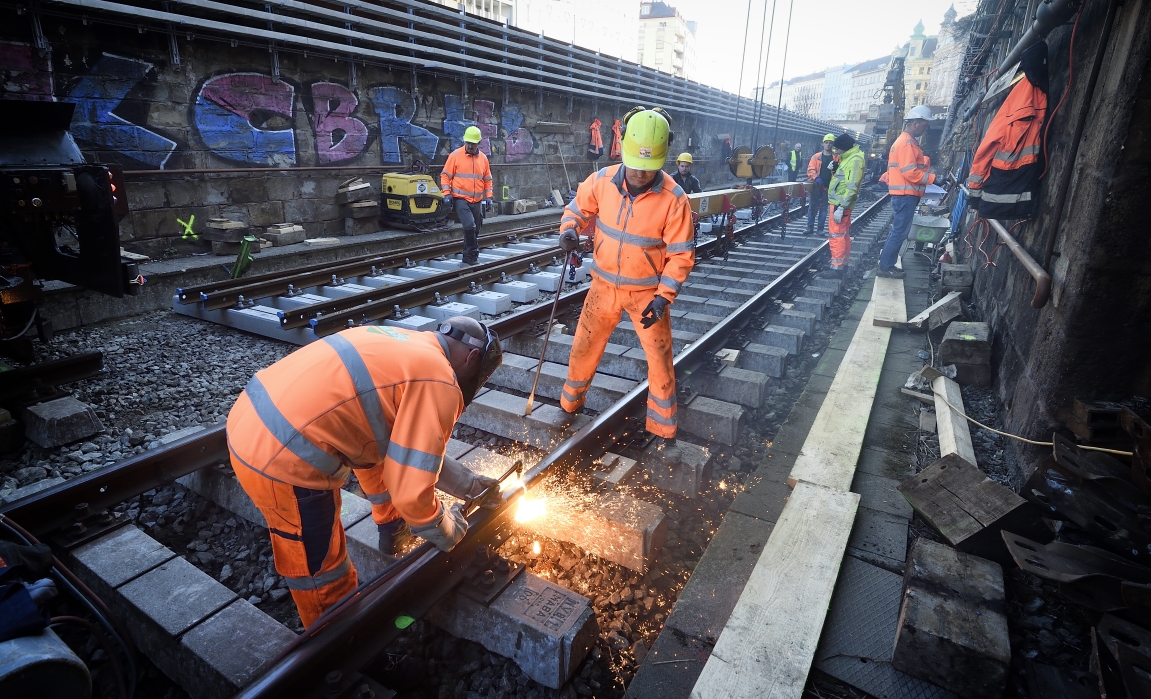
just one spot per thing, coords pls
(723, 485)
(531, 508)
(536, 549)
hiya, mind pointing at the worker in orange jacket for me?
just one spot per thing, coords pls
(820, 169)
(467, 184)
(377, 400)
(642, 238)
(908, 174)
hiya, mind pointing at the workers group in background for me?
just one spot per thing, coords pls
(842, 193)
(820, 169)
(907, 179)
(794, 163)
(683, 177)
(377, 401)
(643, 251)
(466, 181)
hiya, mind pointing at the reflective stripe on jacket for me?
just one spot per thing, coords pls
(845, 183)
(640, 242)
(468, 177)
(354, 400)
(1005, 169)
(907, 168)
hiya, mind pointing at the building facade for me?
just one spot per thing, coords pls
(607, 26)
(948, 59)
(836, 93)
(867, 80)
(666, 41)
(920, 55)
(498, 10)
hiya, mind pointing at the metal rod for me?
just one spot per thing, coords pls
(548, 335)
(1041, 277)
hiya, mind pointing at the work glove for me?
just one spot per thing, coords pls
(819, 180)
(838, 214)
(487, 205)
(461, 482)
(654, 312)
(446, 530)
(449, 203)
(394, 537)
(569, 240)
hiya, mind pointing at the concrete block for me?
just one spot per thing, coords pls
(624, 334)
(414, 322)
(59, 422)
(956, 275)
(783, 336)
(360, 226)
(173, 597)
(833, 284)
(546, 629)
(361, 209)
(518, 372)
(973, 374)
(816, 292)
(285, 236)
(965, 343)
(801, 320)
(617, 527)
(683, 478)
(952, 627)
(265, 213)
(490, 302)
(764, 359)
(120, 556)
(809, 305)
(712, 420)
(546, 281)
(503, 414)
(613, 469)
(229, 649)
(964, 291)
(520, 292)
(223, 249)
(452, 308)
(735, 385)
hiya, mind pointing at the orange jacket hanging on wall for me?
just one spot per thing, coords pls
(595, 145)
(1006, 168)
(616, 140)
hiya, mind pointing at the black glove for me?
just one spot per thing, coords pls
(449, 203)
(654, 312)
(394, 536)
(569, 240)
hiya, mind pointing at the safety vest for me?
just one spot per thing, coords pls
(907, 168)
(796, 157)
(1006, 168)
(468, 177)
(354, 400)
(642, 242)
(844, 187)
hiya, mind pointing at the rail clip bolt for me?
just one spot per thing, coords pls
(487, 578)
(333, 680)
(502, 565)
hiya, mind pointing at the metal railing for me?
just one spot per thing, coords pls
(1040, 275)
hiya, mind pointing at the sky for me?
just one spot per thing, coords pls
(823, 33)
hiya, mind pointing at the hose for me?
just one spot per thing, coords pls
(91, 628)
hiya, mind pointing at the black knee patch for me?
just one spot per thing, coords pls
(317, 517)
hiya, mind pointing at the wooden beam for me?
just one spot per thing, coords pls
(954, 435)
(890, 307)
(916, 394)
(711, 202)
(766, 649)
(938, 313)
(833, 444)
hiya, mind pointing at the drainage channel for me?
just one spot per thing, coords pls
(762, 302)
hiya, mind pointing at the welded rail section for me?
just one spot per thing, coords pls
(1040, 275)
(429, 39)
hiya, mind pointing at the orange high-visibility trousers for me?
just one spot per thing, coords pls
(838, 239)
(601, 313)
(308, 543)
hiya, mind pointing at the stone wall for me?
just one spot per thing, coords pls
(224, 107)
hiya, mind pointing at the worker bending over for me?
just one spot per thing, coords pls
(907, 180)
(841, 196)
(643, 252)
(380, 401)
(467, 177)
(820, 169)
(683, 177)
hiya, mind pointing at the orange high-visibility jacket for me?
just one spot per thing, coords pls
(1006, 166)
(642, 242)
(616, 140)
(907, 168)
(354, 400)
(468, 177)
(815, 164)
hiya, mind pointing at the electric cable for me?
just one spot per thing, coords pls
(786, 44)
(742, 61)
(759, 100)
(1066, 90)
(23, 330)
(91, 628)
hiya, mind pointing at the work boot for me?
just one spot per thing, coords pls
(810, 231)
(669, 452)
(892, 273)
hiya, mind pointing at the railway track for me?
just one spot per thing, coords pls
(748, 297)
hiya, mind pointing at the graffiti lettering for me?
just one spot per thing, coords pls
(247, 117)
(519, 141)
(485, 113)
(396, 109)
(339, 135)
(100, 92)
(24, 73)
(454, 121)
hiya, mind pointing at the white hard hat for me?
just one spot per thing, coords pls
(799, 145)
(920, 112)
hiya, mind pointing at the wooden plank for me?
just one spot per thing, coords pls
(920, 396)
(711, 202)
(766, 649)
(938, 313)
(954, 436)
(890, 308)
(832, 447)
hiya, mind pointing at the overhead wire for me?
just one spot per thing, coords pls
(786, 44)
(759, 79)
(742, 61)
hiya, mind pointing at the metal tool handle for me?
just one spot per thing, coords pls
(548, 334)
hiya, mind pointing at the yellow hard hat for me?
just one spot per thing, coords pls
(472, 135)
(829, 137)
(645, 141)
(684, 158)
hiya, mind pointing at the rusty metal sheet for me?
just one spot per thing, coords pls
(1086, 575)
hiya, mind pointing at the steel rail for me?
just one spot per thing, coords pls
(199, 292)
(1040, 275)
(366, 624)
(19, 383)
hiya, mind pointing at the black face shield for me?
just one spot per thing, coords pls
(491, 356)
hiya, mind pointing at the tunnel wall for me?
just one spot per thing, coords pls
(1092, 341)
(222, 107)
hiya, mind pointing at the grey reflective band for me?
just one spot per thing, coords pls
(905, 188)
(286, 433)
(571, 208)
(909, 168)
(466, 176)
(377, 498)
(315, 582)
(645, 282)
(670, 283)
(365, 387)
(665, 403)
(678, 192)
(570, 397)
(578, 384)
(1005, 198)
(1009, 157)
(681, 247)
(660, 419)
(973, 177)
(422, 460)
(629, 238)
